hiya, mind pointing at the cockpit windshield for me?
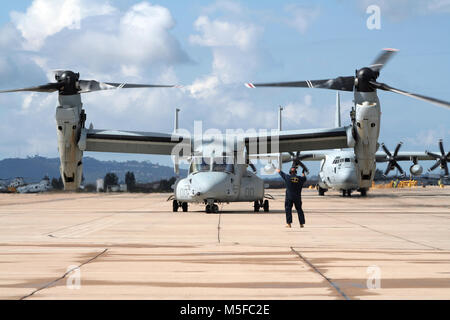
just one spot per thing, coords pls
(200, 164)
(219, 164)
(223, 164)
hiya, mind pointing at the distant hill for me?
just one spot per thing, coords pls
(33, 169)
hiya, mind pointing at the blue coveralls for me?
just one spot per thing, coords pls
(294, 185)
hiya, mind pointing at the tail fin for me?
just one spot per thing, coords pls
(337, 122)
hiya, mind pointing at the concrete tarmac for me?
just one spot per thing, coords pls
(394, 244)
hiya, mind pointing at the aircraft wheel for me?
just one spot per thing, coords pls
(322, 191)
(344, 193)
(363, 193)
(215, 208)
(256, 206)
(349, 193)
(175, 206)
(208, 208)
(184, 205)
(266, 206)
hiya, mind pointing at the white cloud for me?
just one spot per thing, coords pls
(220, 33)
(204, 87)
(235, 49)
(301, 17)
(141, 38)
(45, 18)
(305, 114)
(429, 138)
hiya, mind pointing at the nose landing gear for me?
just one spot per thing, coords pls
(260, 204)
(212, 208)
(347, 193)
(176, 205)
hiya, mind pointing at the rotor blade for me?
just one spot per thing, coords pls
(397, 149)
(386, 150)
(388, 169)
(441, 147)
(385, 87)
(49, 87)
(433, 155)
(382, 59)
(340, 83)
(301, 164)
(399, 169)
(446, 169)
(437, 164)
(92, 85)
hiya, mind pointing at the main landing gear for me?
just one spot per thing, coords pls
(176, 205)
(261, 204)
(363, 192)
(322, 191)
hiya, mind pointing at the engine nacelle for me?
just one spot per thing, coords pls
(69, 124)
(269, 169)
(416, 169)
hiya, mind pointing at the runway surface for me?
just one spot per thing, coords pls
(131, 246)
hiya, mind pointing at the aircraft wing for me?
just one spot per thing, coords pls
(289, 157)
(133, 142)
(297, 140)
(403, 156)
(256, 143)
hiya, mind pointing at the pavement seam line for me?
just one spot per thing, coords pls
(218, 228)
(78, 224)
(387, 233)
(48, 285)
(334, 285)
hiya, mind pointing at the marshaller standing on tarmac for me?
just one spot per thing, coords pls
(294, 185)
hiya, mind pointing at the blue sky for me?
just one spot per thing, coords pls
(212, 48)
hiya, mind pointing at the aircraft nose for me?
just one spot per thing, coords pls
(348, 176)
(211, 185)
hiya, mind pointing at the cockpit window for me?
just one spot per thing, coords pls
(219, 164)
(223, 164)
(200, 164)
(347, 160)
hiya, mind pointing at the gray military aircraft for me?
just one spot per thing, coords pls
(219, 165)
(365, 128)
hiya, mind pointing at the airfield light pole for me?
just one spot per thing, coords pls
(280, 113)
(175, 125)
(176, 162)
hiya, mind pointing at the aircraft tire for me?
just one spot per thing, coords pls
(208, 208)
(215, 208)
(175, 206)
(256, 206)
(322, 191)
(184, 205)
(363, 192)
(266, 205)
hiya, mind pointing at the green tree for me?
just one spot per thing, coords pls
(130, 181)
(111, 179)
